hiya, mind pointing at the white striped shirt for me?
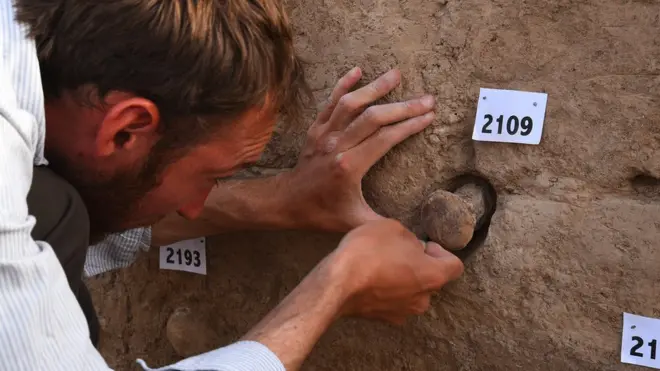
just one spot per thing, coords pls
(42, 327)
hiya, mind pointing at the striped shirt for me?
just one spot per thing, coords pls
(42, 327)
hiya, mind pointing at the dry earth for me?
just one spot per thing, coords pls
(575, 240)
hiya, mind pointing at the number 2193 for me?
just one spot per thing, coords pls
(513, 125)
(189, 257)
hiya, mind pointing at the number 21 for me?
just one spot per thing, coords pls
(171, 255)
(640, 343)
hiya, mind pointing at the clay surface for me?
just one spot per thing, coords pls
(575, 240)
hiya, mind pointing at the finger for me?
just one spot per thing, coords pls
(374, 117)
(422, 304)
(342, 88)
(438, 266)
(366, 154)
(350, 105)
(435, 250)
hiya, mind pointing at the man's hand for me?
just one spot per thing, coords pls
(348, 137)
(392, 273)
(380, 270)
(324, 190)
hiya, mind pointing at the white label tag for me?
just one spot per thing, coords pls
(188, 256)
(640, 341)
(510, 116)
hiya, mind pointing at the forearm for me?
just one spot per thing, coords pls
(248, 204)
(292, 329)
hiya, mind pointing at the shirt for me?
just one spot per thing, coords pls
(117, 251)
(42, 327)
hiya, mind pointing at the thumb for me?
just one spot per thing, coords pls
(436, 251)
(440, 266)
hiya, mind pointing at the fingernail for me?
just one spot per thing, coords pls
(355, 71)
(429, 116)
(428, 101)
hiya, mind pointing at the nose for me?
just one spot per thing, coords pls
(193, 209)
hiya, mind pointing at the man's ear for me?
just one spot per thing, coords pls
(128, 124)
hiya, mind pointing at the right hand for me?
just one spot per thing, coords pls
(389, 273)
(380, 270)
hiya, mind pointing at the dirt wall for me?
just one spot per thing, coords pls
(575, 240)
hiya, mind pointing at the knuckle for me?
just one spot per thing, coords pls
(423, 305)
(312, 132)
(441, 279)
(371, 114)
(375, 87)
(328, 144)
(342, 165)
(328, 105)
(347, 103)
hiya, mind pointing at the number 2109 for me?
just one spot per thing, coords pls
(513, 124)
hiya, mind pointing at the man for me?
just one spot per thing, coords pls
(143, 109)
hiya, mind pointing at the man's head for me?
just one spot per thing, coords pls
(149, 102)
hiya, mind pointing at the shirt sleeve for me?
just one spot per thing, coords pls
(117, 251)
(41, 324)
(240, 356)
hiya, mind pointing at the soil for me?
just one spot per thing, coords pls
(575, 239)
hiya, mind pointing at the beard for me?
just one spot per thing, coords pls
(112, 201)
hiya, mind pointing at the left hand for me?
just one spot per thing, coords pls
(347, 138)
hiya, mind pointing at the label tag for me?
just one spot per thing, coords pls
(510, 116)
(639, 341)
(187, 256)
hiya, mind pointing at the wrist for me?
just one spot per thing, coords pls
(303, 207)
(342, 279)
(250, 204)
(285, 201)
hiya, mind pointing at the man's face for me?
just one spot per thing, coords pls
(118, 191)
(185, 184)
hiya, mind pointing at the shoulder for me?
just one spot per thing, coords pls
(21, 98)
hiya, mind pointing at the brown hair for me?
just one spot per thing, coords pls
(190, 57)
